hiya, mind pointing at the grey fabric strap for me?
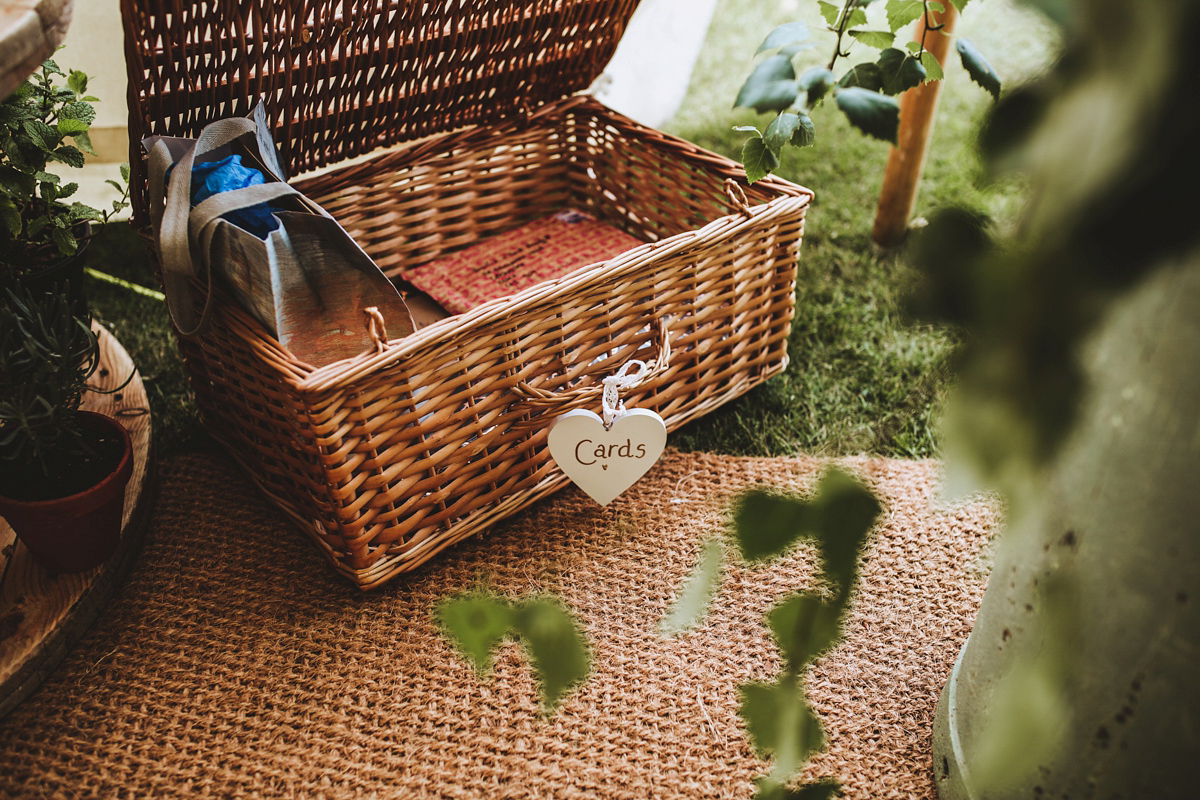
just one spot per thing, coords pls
(170, 212)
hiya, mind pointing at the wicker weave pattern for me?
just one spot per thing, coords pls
(346, 77)
(388, 458)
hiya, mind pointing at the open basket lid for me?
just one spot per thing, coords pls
(346, 77)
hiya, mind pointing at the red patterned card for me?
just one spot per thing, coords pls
(517, 259)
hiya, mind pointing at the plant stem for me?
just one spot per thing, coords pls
(843, 23)
(929, 26)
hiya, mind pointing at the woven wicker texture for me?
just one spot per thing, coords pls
(234, 664)
(345, 77)
(388, 458)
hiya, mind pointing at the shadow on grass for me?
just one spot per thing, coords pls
(143, 327)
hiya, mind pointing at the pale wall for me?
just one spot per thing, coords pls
(94, 44)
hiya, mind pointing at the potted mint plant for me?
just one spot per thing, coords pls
(63, 471)
(44, 123)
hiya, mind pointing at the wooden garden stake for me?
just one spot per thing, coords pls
(917, 107)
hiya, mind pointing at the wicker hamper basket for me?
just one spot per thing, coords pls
(387, 458)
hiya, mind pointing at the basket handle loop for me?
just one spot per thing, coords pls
(376, 328)
(540, 401)
(734, 190)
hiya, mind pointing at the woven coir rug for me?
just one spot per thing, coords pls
(235, 663)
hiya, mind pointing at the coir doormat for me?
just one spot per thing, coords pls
(235, 664)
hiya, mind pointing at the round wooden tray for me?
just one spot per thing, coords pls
(43, 614)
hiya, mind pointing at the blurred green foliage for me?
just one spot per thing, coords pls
(767, 524)
(1107, 142)
(478, 621)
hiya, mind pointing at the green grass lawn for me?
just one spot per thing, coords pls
(861, 378)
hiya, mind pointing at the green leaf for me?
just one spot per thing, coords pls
(476, 623)
(788, 33)
(67, 189)
(71, 156)
(817, 81)
(41, 134)
(780, 131)
(806, 133)
(876, 39)
(872, 113)
(78, 81)
(781, 724)
(693, 601)
(935, 7)
(64, 240)
(978, 67)
(36, 225)
(17, 183)
(77, 109)
(70, 127)
(758, 159)
(824, 789)
(863, 76)
(766, 525)
(900, 71)
(830, 12)
(805, 626)
(84, 142)
(933, 70)
(790, 50)
(697, 593)
(771, 86)
(556, 646)
(10, 217)
(838, 517)
(914, 48)
(902, 12)
(857, 17)
(47, 177)
(960, 4)
(125, 171)
(80, 212)
(848, 511)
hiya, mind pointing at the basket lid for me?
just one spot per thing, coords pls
(345, 77)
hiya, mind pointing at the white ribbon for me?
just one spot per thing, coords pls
(611, 404)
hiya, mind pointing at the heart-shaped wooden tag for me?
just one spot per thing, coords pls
(602, 462)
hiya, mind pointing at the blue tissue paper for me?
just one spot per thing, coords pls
(229, 173)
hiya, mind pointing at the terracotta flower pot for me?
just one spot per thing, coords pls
(80, 531)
